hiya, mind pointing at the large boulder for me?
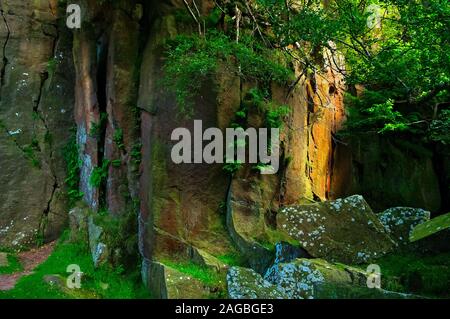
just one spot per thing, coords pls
(400, 221)
(344, 230)
(306, 279)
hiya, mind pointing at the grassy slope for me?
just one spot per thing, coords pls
(103, 282)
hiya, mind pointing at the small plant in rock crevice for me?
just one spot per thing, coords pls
(99, 174)
(73, 165)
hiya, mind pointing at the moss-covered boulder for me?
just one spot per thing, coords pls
(244, 283)
(344, 230)
(400, 221)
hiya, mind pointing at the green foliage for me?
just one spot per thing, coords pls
(14, 265)
(116, 163)
(440, 128)
(136, 154)
(233, 167)
(103, 282)
(98, 128)
(402, 61)
(51, 65)
(192, 59)
(73, 165)
(99, 174)
(204, 274)
(120, 232)
(275, 115)
(30, 153)
(118, 138)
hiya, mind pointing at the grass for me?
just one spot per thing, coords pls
(419, 274)
(211, 278)
(203, 274)
(13, 266)
(232, 259)
(103, 283)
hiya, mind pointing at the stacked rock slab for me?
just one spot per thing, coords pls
(344, 230)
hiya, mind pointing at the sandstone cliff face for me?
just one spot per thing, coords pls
(36, 110)
(106, 81)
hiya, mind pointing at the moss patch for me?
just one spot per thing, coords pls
(430, 227)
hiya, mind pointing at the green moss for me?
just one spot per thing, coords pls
(120, 233)
(203, 274)
(232, 259)
(159, 177)
(104, 282)
(99, 174)
(14, 265)
(73, 165)
(430, 227)
(271, 237)
(118, 139)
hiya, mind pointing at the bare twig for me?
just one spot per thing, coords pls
(188, 7)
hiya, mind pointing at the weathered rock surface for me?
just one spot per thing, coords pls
(377, 168)
(78, 223)
(180, 203)
(297, 279)
(244, 283)
(344, 230)
(36, 104)
(284, 253)
(400, 221)
(99, 250)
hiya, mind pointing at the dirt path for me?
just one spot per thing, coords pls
(29, 260)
